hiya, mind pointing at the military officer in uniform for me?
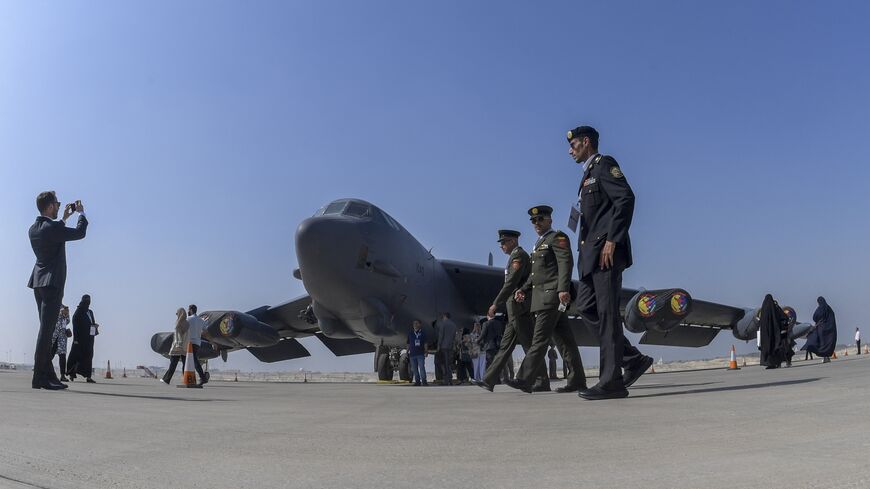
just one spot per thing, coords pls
(520, 321)
(606, 208)
(549, 286)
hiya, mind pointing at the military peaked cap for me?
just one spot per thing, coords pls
(579, 132)
(541, 210)
(504, 234)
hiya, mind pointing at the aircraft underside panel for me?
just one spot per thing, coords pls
(284, 350)
(690, 336)
(342, 347)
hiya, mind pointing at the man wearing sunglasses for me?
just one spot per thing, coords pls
(549, 285)
(48, 238)
(606, 204)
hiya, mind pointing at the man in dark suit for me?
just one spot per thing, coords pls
(606, 204)
(48, 239)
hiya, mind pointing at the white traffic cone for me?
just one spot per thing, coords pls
(188, 378)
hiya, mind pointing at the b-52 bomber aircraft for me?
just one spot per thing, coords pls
(368, 278)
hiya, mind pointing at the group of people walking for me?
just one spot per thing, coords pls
(538, 289)
(188, 331)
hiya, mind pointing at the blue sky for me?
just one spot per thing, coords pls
(200, 134)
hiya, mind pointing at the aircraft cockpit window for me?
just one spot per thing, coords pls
(333, 208)
(356, 209)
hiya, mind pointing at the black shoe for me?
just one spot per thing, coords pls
(64, 379)
(416, 384)
(516, 384)
(569, 388)
(49, 386)
(483, 385)
(541, 388)
(630, 376)
(597, 393)
(425, 384)
(90, 381)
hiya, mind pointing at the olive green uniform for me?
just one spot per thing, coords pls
(552, 264)
(520, 321)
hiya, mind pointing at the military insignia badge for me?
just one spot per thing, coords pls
(616, 172)
(570, 135)
(534, 211)
(680, 303)
(646, 305)
(516, 264)
(562, 241)
(226, 326)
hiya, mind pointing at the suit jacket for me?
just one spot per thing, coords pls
(491, 334)
(515, 275)
(48, 239)
(552, 266)
(446, 334)
(606, 207)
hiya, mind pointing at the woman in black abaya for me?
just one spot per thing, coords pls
(823, 338)
(82, 353)
(770, 323)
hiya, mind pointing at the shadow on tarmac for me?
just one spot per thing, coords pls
(659, 386)
(138, 396)
(730, 388)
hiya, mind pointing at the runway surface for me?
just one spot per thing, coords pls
(807, 426)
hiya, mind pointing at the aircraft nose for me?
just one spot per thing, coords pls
(324, 244)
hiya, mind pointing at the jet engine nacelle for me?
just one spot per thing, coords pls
(659, 310)
(236, 329)
(746, 328)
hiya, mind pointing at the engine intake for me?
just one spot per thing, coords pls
(658, 310)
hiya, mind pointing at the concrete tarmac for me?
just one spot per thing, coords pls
(803, 427)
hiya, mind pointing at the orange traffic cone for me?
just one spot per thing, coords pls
(108, 369)
(188, 378)
(732, 365)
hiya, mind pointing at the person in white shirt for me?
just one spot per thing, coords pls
(195, 326)
(858, 339)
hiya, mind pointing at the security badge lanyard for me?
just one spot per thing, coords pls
(416, 338)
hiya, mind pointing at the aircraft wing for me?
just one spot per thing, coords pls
(289, 318)
(479, 284)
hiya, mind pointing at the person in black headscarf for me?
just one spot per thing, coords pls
(770, 324)
(84, 329)
(823, 339)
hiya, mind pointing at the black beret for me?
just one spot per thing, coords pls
(541, 210)
(579, 132)
(504, 234)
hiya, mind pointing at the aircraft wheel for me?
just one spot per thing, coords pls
(385, 367)
(405, 368)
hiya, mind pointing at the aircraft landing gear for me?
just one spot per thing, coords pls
(384, 364)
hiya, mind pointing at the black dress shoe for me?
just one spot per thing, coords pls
(630, 376)
(597, 393)
(541, 388)
(569, 388)
(483, 385)
(515, 384)
(49, 386)
(91, 381)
